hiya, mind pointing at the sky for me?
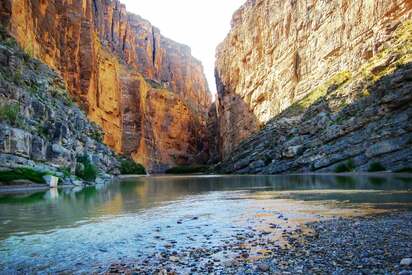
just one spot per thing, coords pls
(200, 24)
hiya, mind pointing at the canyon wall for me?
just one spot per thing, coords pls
(40, 126)
(279, 51)
(316, 86)
(147, 92)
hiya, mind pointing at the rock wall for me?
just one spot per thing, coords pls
(111, 60)
(40, 126)
(356, 120)
(279, 51)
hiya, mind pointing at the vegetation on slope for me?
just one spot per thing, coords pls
(10, 113)
(22, 174)
(129, 167)
(376, 167)
(197, 169)
(332, 84)
(85, 169)
(348, 166)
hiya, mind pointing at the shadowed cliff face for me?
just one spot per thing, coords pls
(279, 51)
(147, 92)
(357, 120)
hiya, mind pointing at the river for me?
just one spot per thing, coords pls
(85, 229)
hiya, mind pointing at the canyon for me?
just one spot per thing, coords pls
(42, 131)
(303, 86)
(302, 165)
(313, 85)
(147, 92)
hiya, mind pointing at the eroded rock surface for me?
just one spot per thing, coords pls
(40, 126)
(328, 82)
(279, 51)
(112, 61)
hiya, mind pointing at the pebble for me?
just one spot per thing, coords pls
(263, 267)
(406, 262)
(174, 258)
(371, 245)
(168, 245)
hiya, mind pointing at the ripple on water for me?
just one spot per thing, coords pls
(89, 229)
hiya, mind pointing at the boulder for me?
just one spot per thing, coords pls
(15, 141)
(383, 148)
(51, 181)
(406, 262)
(293, 151)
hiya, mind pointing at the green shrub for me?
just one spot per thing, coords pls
(376, 167)
(96, 132)
(17, 77)
(349, 166)
(11, 114)
(188, 169)
(22, 174)
(66, 172)
(33, 89)
(267, 159)
(405, 170)
(42, 131)
(26, 57)
(5, 38)
(341, 168)
(129, 167)
(97, 135)
(10, 42)
(85, 169)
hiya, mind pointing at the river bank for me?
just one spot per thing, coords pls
(206, 224)
(23, 186)
(368, 245)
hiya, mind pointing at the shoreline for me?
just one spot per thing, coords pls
(32, 187)
(26, 188)
(369, 174)
(372, 244)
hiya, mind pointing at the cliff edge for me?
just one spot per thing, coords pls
(316, 86)
(147, 92)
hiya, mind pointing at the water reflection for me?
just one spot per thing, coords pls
(43, 211)
(55, 231)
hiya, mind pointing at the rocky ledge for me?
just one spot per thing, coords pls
(40, 127)
(277, 52)
(356, 120)
(147, 92)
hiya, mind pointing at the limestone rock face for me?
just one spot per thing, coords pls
(357, 120)
(278, 51)
(112, 62)
(40, 126)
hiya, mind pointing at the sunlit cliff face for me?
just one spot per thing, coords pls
(278, 52)
(147, 92)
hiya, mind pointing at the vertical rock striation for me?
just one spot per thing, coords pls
(147, 92)
(318, 86)
(40, 127)
(279, 51)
